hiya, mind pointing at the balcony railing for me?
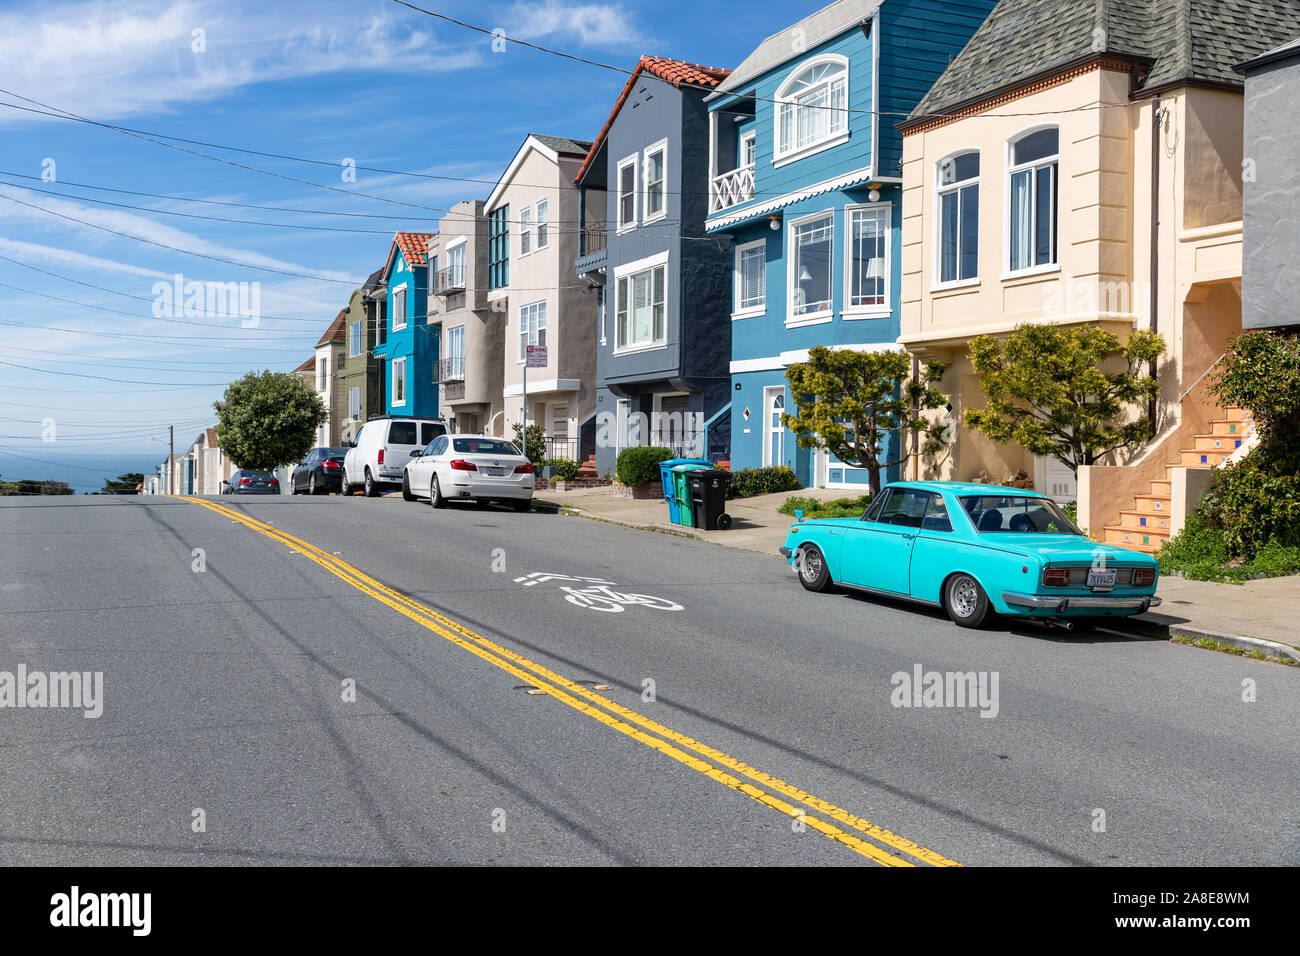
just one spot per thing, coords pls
(451, 369)
(593, 239)
(449, 280)
(732, 189)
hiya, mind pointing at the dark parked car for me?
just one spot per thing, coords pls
(252, 483)
(320, 472)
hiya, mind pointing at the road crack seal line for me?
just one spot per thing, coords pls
(614, 715)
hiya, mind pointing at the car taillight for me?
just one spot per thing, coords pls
(525, 469)
(275, 483)
(1056, 577)
(381, 456)
(330, 464)
(245, 481)
(1143, 577)
(461, 465)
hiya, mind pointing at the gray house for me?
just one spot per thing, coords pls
(1270, 281)
(469, 370)
(663, 286)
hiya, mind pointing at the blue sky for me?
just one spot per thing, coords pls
(370, 81)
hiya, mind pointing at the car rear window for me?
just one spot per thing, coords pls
(431, 430)
(483, 446)
(402, 433)
(998, 514)
(333, 452)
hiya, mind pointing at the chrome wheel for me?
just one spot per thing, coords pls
(965, 597)
(810, 564)
(965, 601)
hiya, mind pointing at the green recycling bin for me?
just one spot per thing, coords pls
(682, 492)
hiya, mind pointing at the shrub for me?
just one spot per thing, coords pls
(761, 481)
(640, 466)
(1248, 508)
(535, 450)
(1198, 552)
(836, 508)
(566, 470)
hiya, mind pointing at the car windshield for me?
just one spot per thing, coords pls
(997, 514)
(483, 446)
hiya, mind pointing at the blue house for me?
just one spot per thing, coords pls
(664, 342)
(408, 346)
(805, 176)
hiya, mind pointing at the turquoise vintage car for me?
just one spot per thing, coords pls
(975, 550)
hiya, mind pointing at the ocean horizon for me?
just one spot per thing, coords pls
(83, 473)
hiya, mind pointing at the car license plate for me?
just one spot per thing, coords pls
(1101, 579)
(494, 472)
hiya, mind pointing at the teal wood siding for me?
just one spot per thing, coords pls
(918, 39)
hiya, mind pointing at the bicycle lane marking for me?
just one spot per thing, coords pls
(619, 717)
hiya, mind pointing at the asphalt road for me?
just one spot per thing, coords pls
(771, 735)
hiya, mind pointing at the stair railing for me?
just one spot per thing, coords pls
(1202, 375)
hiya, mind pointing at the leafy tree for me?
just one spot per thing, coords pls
(122, 484)
(535, 448)
(1047, 391)
(847, 403)
(1262, 374)
(268, 419)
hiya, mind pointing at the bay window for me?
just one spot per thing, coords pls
(959, 217)
(641, 309)
(1032, 189)
(812, 243)
(867, 264)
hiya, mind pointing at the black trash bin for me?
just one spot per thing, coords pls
(709, 499)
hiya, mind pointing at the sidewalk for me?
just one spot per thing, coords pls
(1236, 615)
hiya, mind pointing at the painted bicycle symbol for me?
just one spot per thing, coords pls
(597, 594)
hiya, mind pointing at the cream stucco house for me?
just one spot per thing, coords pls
(532, 243)
(1080, 162)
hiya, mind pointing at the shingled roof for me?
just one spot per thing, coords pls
(307, 366)
(563, 145)
(335, 332)
(671, 71)
(1183, 41)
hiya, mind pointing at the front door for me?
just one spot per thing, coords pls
(773, 430)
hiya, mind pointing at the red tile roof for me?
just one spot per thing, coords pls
(335, 332)
(307, 366)
(412, 246)
(676, 72)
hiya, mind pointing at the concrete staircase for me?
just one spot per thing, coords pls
(1146, 526)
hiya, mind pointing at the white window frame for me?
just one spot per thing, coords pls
(355, 411)
(628, 272)
(356, 338)
(541, 225)
(628, 224)
(661, 148)
(323, 373)
(813, 318)
(403, 289)
(398, 362)
(1012, 169)
(454, 334)
(738, 281)
(525, 231)
(749, 136)
(528, 328)
(456, 259)
(937, 282)
(781, 157)
(851, 311)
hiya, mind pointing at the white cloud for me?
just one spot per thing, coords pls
(109, 61)
(590, 24)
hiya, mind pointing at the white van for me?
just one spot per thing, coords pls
(382, 449)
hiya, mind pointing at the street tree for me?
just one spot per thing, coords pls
(122, 484)
(268, 419)
(1049, 392)
(847, 403)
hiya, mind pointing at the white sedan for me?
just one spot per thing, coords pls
(469, 468)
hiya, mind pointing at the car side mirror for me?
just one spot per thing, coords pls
(798, 514)
(417, 454)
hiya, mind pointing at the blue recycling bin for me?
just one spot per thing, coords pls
(670, 491)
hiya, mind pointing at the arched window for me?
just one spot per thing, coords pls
(1032, 194)
(812, 105)
(958, 205)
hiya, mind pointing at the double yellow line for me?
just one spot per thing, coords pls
(725, 769)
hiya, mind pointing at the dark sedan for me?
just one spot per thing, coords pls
(252, 483)
(320, 472)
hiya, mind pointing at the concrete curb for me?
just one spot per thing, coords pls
(1241, 643)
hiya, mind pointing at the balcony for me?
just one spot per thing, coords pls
(446, 281)
(593, 254)
(451, 369)
(732, 189)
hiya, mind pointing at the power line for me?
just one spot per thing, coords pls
(207, 340)
(127, 381)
